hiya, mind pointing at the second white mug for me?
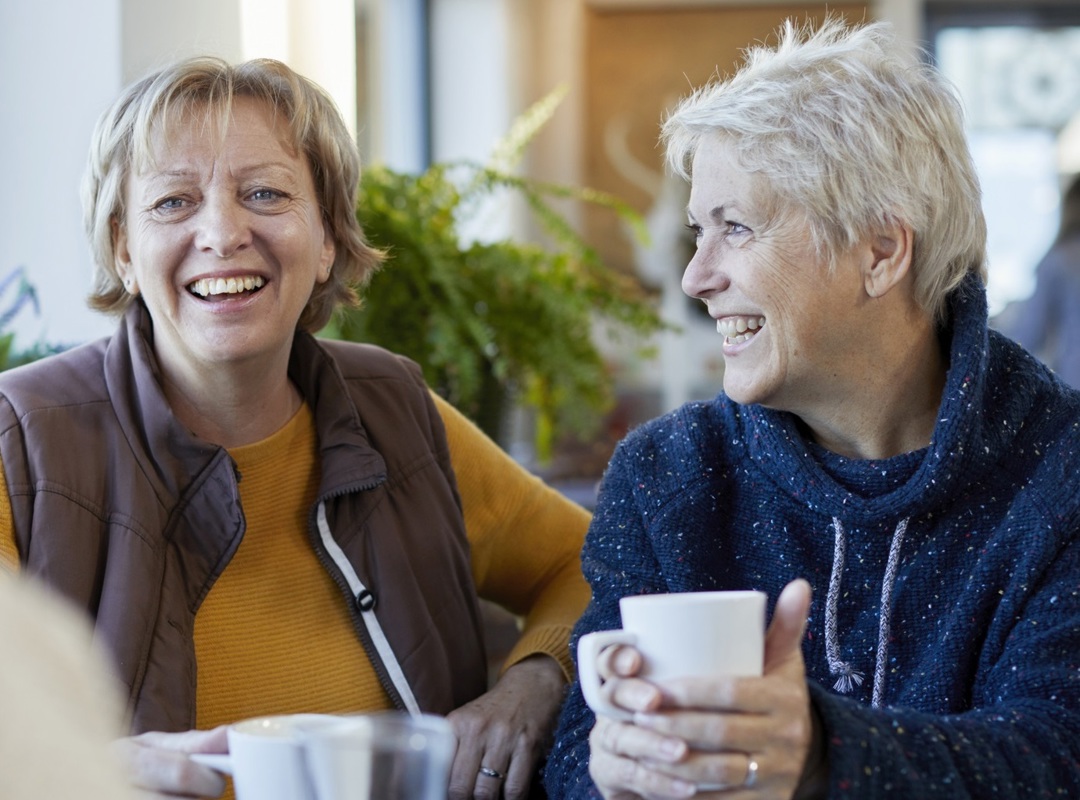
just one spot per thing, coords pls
(682, 634)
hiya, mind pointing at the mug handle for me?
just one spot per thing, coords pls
(219, 762)
(588, 650)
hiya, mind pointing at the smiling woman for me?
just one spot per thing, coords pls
(223, 203)
(258, 521)
(901, 480)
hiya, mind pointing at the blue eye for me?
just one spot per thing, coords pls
(265, 195)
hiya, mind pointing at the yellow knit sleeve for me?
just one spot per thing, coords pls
(9, 552)
(526, 540)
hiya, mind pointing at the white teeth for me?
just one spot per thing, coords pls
(736, 330)
(206, 287)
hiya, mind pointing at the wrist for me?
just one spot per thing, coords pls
(814, 781)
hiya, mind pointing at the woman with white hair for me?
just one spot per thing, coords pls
(902, 480)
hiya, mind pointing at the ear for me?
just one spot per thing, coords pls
(888, 261)
(121, 255)
(329, 253)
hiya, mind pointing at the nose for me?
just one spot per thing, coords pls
(223, 227)
(703, 276)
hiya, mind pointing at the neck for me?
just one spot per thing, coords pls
(889, 404)
(235, 405)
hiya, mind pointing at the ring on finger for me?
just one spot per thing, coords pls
(751, 774)
(488, 772)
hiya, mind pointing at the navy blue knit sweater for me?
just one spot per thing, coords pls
(974, 664)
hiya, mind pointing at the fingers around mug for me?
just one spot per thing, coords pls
(589, 649)
(711, 772)
(619, 661)
(623, 739)
(615, 773)
(167, 771)
(219, 762)
(631, 696)
(713, 731)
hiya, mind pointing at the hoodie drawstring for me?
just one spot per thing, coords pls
(847, 677)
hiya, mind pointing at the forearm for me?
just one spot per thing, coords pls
(526, 538)
(548, 625)
(1027, 749)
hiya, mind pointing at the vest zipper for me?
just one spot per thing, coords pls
(359, 626)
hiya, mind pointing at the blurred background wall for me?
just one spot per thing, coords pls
(425, 80)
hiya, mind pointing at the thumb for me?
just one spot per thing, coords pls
(784, 637)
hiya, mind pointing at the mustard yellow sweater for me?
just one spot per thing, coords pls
(272, 636)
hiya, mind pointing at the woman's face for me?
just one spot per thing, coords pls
(786, 322)
(224, 241)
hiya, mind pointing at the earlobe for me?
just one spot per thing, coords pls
(329, 253)
(889, 258)
(121, 256)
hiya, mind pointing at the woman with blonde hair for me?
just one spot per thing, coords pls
(259, 521)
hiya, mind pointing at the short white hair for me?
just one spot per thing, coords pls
(853, 129)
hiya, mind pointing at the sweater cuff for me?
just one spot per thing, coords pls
(552, 640)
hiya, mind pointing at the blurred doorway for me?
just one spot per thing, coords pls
(1017, 68)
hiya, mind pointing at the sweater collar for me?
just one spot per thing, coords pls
(960, 449)
(133, 375)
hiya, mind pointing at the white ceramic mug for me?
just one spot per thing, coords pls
(385, 756)
(265, 757)
(681, 634)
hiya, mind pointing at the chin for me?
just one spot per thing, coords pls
(747, 391)
(739, 394)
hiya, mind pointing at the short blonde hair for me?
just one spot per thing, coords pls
(123, 136)
(853, 130)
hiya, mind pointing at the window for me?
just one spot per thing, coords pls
(1017, 67)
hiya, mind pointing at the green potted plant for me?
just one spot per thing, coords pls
(495, 322)
(22, 295)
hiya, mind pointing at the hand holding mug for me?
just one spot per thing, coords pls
(383, 756)
(679, 635)
(694, 734)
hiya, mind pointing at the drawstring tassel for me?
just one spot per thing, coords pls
(847, 676)
(848, 680)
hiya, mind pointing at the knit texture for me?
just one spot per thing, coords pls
(980, 694)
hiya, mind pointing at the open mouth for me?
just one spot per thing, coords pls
(220, 287)
(737, 330)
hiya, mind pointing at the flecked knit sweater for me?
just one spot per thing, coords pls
(945, 660)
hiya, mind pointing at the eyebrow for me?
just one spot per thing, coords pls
(717, 213)
(183, 172)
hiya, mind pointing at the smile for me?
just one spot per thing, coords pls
(208, 287)
(737, 330)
